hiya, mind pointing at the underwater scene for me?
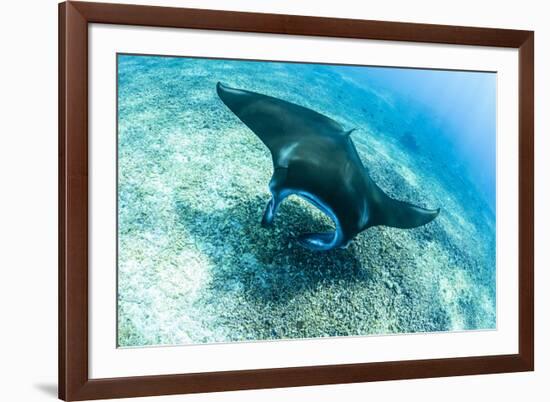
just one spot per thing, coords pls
(262, 200)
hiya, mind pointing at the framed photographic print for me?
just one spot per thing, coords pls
(259, 200)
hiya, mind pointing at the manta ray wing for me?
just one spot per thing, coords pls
(275, 121)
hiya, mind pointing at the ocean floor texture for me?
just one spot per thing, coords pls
(194, 264)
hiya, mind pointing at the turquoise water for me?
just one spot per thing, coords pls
(194, 265)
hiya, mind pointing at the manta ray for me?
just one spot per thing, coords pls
(315, 158)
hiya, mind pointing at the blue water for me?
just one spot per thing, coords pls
(454, 112)
(196, 267)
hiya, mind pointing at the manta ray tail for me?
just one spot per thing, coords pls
(400, 214)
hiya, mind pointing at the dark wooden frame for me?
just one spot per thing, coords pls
(74, 383)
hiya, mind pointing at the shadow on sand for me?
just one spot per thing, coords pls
(267, 264)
